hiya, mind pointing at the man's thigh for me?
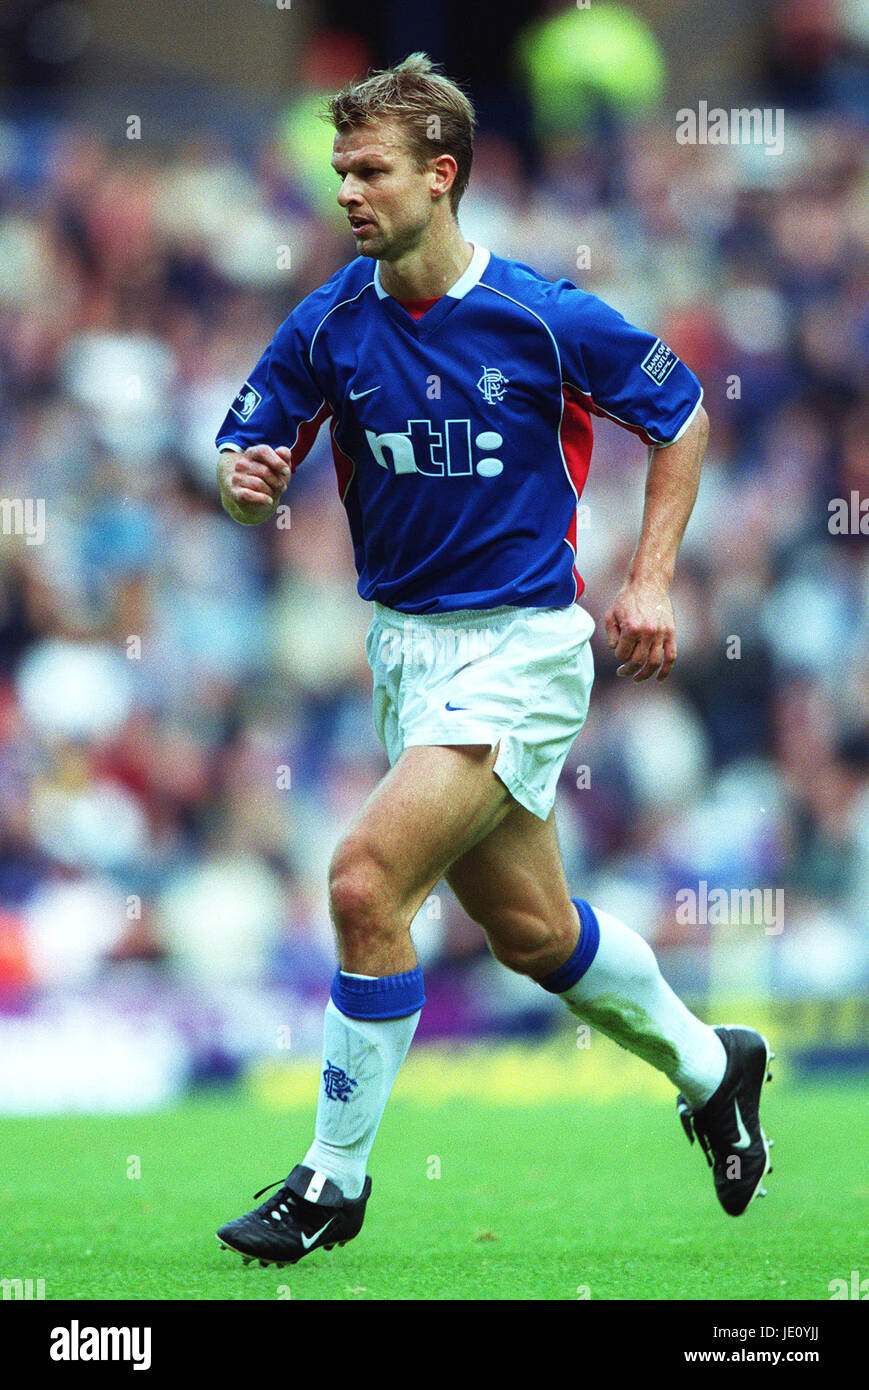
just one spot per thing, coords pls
(435, 803)
(512, 883)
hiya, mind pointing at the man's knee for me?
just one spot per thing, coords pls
(361, 900)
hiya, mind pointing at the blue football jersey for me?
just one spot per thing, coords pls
(461, 439)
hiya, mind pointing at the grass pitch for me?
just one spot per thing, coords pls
(554, 1199)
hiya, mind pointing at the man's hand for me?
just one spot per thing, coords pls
(641, 630)
(251, 483)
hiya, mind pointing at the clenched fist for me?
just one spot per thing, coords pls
(641, 631)
(251, 483)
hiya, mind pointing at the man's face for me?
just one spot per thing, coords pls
(387, 199)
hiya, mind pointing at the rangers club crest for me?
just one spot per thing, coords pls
(493, 383)
(338, 1085)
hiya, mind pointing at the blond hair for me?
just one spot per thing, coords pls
(435, 113)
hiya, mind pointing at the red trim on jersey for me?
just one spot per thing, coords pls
(344, 466)
(306, 434)
(605, 415)
(417, 307)
(576, 438)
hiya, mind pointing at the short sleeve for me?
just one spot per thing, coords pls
(622, 371)
(280, 403)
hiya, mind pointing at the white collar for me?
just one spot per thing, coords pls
(466, 281)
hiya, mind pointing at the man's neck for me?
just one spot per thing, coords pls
(428, 271)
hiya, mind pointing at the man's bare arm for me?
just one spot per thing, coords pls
(640, 626)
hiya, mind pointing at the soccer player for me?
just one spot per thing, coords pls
(458, 387)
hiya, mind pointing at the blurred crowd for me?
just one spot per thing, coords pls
(184, 703)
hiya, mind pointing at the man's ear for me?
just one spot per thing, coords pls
(445, 168)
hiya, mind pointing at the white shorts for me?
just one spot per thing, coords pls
(517, 677)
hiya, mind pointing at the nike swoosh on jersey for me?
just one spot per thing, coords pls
(744, 1139)
(454, 707)
(308, 1241)
(357, 395)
